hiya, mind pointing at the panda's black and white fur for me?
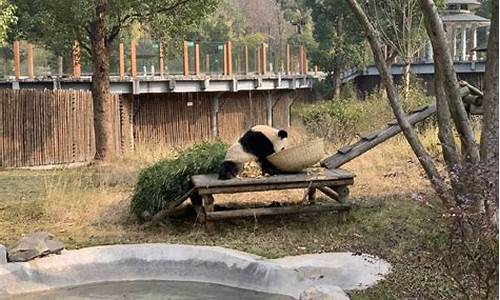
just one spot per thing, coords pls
(255, 145)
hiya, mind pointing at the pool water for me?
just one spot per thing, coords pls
(171, 290)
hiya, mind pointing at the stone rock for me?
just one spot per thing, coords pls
(324, 293)
(35, 245)
(3, 254)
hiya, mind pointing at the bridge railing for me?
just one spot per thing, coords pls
(147, 58)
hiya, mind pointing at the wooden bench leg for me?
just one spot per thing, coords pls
(197, 203)
(208, 206)
(311, 195)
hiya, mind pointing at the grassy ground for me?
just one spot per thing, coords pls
(89, 206)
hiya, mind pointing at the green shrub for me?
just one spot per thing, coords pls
(342, 120)
(168, 179)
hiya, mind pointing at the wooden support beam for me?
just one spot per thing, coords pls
(306, 69)
(185, 60)
(161, 62)
(75, 55)
(133, 59)
(245, 60)
(31, 73)
(270, 211)
(197, 58)
(229, 59)
(121, 60)
(17, 60)
(287, 59)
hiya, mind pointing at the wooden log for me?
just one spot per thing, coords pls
(338, 159)
(229, 59)
(258, 61)
(197, 58)
(224, 61)
(288, 60)
(272, 211)
(31, 73)
(121, 60)
(17, 60)
(301, 59)
(75, 54)
(161, 60)
(60, 71)
(329, 192)
(207, 63)
(263, 49)
(245, 60)
(185, 60)
(133, 59)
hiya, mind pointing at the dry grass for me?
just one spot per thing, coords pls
(89, 206)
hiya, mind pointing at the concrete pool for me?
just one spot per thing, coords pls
(202, 270)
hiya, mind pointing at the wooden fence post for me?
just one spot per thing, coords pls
(133, 59)
(185, 60)
(229, 59)
(121, 60)
(197, 58)
(17, 60)
(31, 73)
(161, 62)
(75, 54)
(301, 59)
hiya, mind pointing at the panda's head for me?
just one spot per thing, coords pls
(278, 137)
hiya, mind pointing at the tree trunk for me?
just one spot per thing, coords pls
(407, 129)
(489, 134)
(336, 80)
(442, 56)
(100, 83)
(406, 79)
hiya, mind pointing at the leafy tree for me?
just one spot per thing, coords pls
(340, 44)
(6, 19)
(96, 25)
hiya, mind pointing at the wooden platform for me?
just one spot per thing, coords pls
(333, 183)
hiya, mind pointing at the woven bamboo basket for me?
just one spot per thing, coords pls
(296, 159)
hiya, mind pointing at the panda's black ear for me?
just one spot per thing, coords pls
(283, 134)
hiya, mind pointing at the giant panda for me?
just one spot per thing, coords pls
(255, 144)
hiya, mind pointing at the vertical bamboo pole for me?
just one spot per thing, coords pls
(121, 60)
(185, 56)
(197, 58)
(133, 59)
(229, 59)
(17, 60)
(245, 60)
(75, 55)
(161, 62)
(31, 73)
(287, 59)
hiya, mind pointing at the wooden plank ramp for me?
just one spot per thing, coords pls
(348, 153)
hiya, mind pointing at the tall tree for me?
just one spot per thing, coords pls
(96, 24)
(339, 44)
(6, 19)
